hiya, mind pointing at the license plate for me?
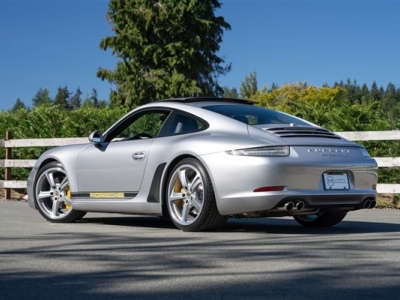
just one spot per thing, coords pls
(336, 181)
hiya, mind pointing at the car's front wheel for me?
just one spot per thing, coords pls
(52, 194)
(190, 198)
(323, 219)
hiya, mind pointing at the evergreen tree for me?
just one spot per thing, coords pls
(381, 92)
(389, 105)
(61, 98)
(230, 92)
(102, 104)
(341, 83)
(94, 99)
(274, 86)
(166, 49)
(375, 92)
(19, 104)
(42, 97)
(390, 89)
(365, 95)
(353, 91)
(249, 86)
(75, 101)
(397, 96)
(87, 101)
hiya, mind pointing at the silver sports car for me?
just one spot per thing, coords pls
(199, 161)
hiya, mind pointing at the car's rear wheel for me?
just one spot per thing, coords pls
(190, 198)
(324, 219)
(52, 194)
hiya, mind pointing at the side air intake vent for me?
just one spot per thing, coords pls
(299, 132)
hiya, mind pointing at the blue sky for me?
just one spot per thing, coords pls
(52, 43)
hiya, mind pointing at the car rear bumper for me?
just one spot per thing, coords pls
(236, 180)
(247, 203)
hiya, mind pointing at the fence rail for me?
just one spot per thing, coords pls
(8, 163)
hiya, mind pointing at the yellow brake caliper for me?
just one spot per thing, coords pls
(68, 194)
(179, 189)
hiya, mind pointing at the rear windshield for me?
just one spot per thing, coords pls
(254, 115)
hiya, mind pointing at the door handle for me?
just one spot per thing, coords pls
(139, 155)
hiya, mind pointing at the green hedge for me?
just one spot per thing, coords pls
(54, 122)
(51, 122)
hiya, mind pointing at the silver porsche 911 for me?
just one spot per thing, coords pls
(199, 161)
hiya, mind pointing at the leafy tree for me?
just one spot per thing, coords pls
(19, 104)
(166, 49)
(290, 96)
(75, 101)
(42, 97)
(61, 98)
(249, 86)
(230, 92)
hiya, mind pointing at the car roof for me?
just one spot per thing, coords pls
(208, 100)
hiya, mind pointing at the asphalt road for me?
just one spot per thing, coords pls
(108, 256)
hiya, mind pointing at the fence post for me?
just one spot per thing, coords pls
(8, 169)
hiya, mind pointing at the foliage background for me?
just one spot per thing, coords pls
(342, 107)
(51, 122)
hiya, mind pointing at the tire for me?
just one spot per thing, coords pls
(325, 219)
(52, 195)
(190, 198)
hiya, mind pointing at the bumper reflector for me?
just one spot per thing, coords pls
(270, 188)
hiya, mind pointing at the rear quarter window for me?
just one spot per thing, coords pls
(254, 115)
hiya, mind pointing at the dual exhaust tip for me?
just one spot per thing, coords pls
(369, 203)
(292, 206)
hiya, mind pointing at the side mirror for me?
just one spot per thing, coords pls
(96, 137)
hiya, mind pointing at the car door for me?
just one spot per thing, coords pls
(115, 168)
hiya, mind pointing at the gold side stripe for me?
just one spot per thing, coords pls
(107, 195)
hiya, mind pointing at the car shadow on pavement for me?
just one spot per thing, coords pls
(257, 225)
(134, 221)
(290, 226)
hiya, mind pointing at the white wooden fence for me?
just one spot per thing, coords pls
(9, 143)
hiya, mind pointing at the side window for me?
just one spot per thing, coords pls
(185, 124)
(144, 126)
